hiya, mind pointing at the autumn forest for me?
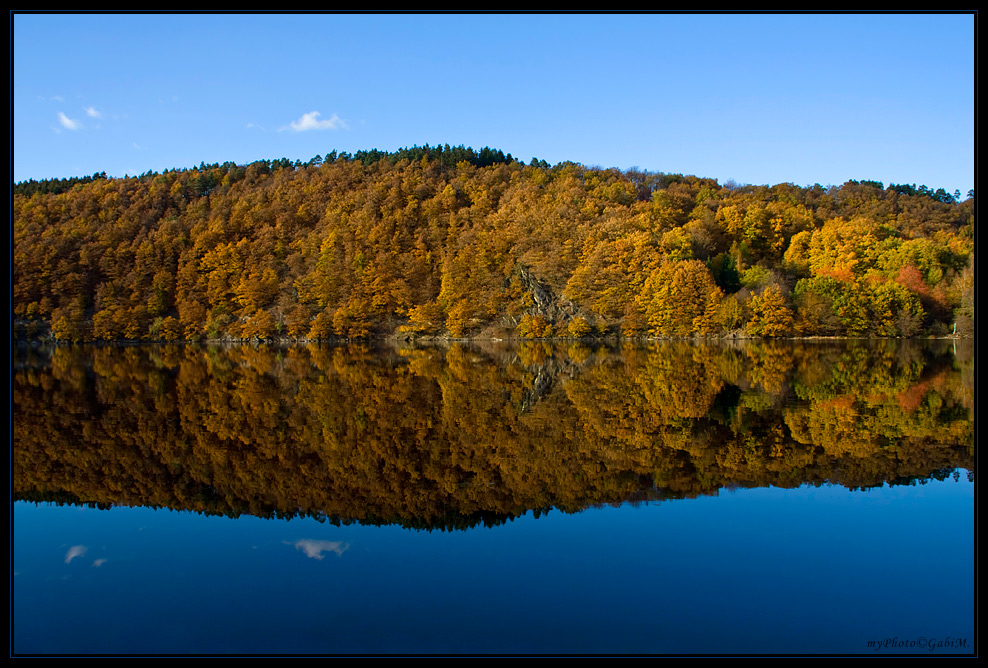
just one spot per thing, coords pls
(449, 242)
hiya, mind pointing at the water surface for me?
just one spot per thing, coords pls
(676, 499)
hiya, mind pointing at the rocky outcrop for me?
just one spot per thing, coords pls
(551, 307)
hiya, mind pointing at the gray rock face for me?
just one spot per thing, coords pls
(550, 306)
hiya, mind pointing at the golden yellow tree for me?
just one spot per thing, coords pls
(770, 316)
(680, 299)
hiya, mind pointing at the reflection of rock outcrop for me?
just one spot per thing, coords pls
(542, 381)
(458, 435)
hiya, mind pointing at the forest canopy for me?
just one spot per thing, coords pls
(452, 242)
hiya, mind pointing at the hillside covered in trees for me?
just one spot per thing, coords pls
(452, 242)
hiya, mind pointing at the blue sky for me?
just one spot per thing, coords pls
(756, 98)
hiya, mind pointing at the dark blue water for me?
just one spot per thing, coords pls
(816, 570)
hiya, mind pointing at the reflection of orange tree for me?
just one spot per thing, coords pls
(431, 436)
(680, 381)
(768, 365)
(875, 405)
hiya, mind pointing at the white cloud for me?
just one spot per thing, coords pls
(92, 112)
(68, 123)
(314, 548)
(310, 121)
(75, 551)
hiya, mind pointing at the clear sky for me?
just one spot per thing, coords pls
(756, 98)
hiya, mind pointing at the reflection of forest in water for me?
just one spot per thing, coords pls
(456, 435)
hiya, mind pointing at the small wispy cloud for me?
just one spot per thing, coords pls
(68, 123)
(75, 551)
(314, 548)
(310, 121)
(93, 112)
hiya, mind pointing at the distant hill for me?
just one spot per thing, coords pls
(452, 242)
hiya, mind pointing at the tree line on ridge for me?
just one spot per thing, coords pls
(452, 242)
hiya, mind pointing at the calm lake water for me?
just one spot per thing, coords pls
(679, 498)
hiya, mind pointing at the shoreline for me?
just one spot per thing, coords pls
(398, 339)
